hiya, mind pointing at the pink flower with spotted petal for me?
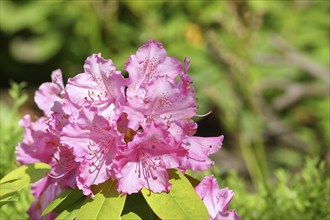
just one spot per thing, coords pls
(199, 149)
(215, 199)
(38, 144)
(143, 162)
(94, 142)
(161, 102)
(151, 61)
(64, 171)
(101, 85)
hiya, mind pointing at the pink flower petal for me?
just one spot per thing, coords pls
(215, 199)
(94, 142)
(163, 102)
(49, 92)
(149, 62)
(199, 148)
(38, 145)
(100, 84)
(146, 159)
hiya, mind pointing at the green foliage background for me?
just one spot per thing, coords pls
(262, 67)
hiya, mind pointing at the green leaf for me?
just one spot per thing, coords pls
(136, 207)
(19, 178)
(107, 203)
(8, 193)
(65, 199)
(75, 196)
(8, 201)
(71, 211)
(60, 198)
(181, 202)
(25, 175)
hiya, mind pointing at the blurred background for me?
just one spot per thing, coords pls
(262, 67)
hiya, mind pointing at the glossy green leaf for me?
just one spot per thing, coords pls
(181, 202)
(19, 178)
(136, 207)
(107, 203)
(75, 196)
(8, 193)
(25, 175)
(64, 200)
(60, 198)
(71, 211)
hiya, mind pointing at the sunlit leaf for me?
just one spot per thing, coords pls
(65, 199)
(60, 198)
(19, 178)
(107, 203)
(71, 200)
(181, 202)
(71, 212)
(25, 175)
(8, 193)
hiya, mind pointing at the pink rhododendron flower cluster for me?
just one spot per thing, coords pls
(100, 126)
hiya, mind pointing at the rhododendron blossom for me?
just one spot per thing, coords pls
(215, 199)
(143, 162)
(102, 126)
